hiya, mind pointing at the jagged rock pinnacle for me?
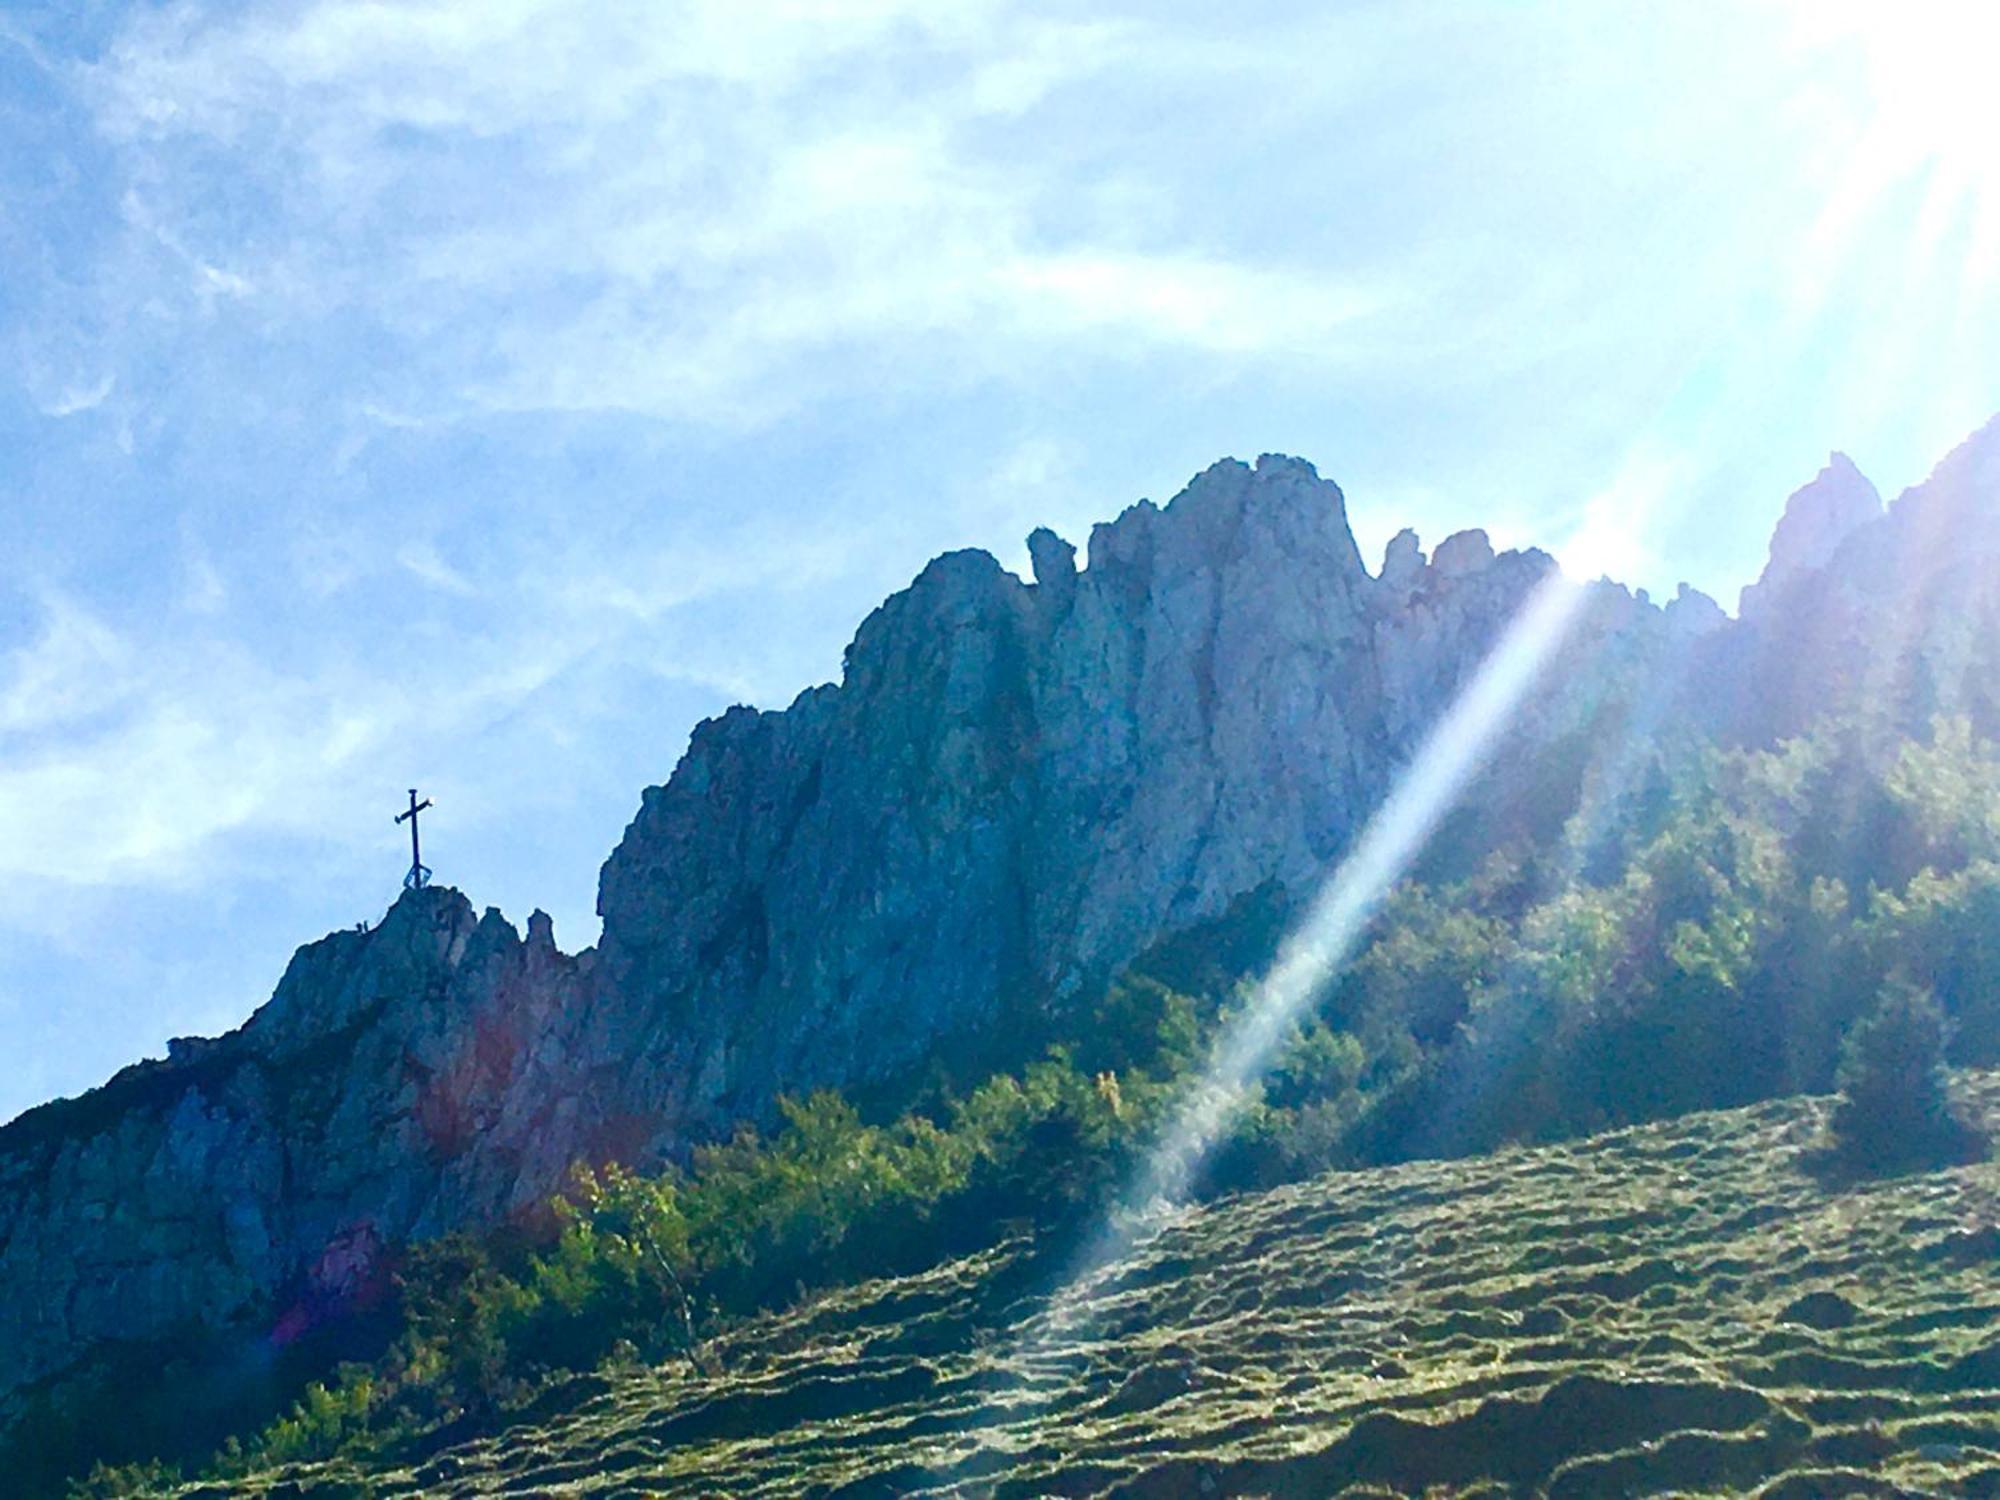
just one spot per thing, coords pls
(1817, 519)
(1012, 790)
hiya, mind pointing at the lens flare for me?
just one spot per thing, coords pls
(1453, 754)
(1326, 939)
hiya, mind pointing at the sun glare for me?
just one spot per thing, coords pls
(1929, 69)
(1928, 116)
(1612, 522)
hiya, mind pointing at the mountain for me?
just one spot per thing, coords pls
(1674, 1309)
(1894, 615)
(1015, 787)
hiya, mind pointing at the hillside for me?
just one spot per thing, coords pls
(934, 872)
(1015, 787)
(1682, 1307)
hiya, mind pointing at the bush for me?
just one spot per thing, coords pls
(1894, 1111)
(107, 1483)
(1716, 947)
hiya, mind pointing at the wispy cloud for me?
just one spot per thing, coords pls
(421, 560)
(132, 755)
(71, 399)
(72, 671)
(682, 209)
(119, 760)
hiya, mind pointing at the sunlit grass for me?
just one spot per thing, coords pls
(1677, 1307)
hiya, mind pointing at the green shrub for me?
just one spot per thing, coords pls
(324, 1422)
(1894, 1110)
(106, 1483)
(1706, 937)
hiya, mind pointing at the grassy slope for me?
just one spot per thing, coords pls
(1680, 1307)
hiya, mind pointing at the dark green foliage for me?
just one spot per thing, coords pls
(1723, 962)
(1436, 956)
(1943, 931)
(1950, 789)
(1704, 932)
(1210, 958)
(1894, 1110)
(105, 1483)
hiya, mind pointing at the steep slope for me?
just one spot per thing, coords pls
(1894, 618)
(1015, 786)
(1680, 1308)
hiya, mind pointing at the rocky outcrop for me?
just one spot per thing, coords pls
(1015, 786)
(1817, 519)
(375, 1098)
(1898, 620)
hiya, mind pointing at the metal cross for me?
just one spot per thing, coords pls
(418, 877)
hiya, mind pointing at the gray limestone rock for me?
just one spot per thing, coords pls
(1055, 566)
(1013, 788)
(1692, 613)
(1463, 555)
(1817, 519)
(1403, 565)
(1893, 614)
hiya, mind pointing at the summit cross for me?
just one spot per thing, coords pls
(419, 876)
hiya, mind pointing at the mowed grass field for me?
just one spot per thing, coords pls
(1684, 1308)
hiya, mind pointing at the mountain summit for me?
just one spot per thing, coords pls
(1817, 519)
(1014, 788)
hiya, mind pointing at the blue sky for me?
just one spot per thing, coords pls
(473, 397)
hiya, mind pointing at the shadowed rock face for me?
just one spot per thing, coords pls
(1014, 787)
(1897, 621)
(1817, 519)
(269, 1169)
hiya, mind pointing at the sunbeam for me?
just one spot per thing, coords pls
(1340, 914)
(1338, 918)
(1920, 80)
(1451, 757)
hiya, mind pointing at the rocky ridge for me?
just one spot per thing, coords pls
(1015, 785)
(1817, 519)
(1898, 622)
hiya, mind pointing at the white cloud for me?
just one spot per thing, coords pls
(77, 668)
(72, 399)
(702, 210)
(161, 748)
(421, 559)
(1202, 304)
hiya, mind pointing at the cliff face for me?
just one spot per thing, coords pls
(1898, 620)
(1015, 786)
(1018, 784)
(269, 1169)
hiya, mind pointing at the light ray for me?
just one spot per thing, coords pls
(1453, 754)
(1917, 79)
(1339, 917)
